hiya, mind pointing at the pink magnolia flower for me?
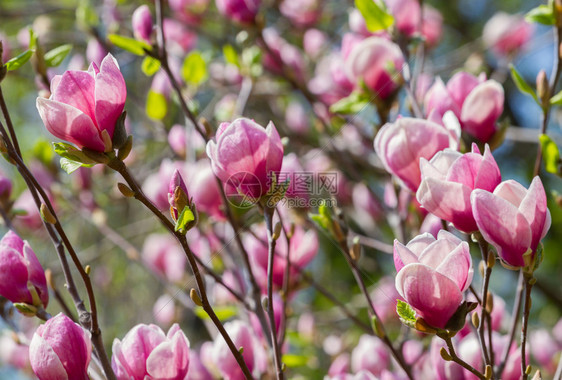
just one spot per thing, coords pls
(164, 256)
(506, 34)
(5, 187)
(281, 53)
(443, 370)
(314, 41)
(302, 13)
(406, 14)
(189, 11)
(432, 27)
(203, 187)
(245, 156)
(164, 310)
(60, 349)
(147, 353)
(512, 219)
(177, 139)
(469, 349)
(401, 145)
(330, 82)
(449, 179)
(176, 207)
(476, 102)
(95, 52)
(83, 104)
(179, 38)
(142, 23)
(22, 278)
(241, 11)
(433, 274)
(370, 355)
(242, 336)
(369, 60)
(14, 353)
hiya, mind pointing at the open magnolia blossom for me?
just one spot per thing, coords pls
(513, 219)
(433, 274)
(83, 104)
(449, 178)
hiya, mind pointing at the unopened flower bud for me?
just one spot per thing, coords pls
(543, 91)
(445, 355)
(195, 297)
(125, 190)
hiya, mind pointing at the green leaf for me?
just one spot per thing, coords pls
(129, 44)
(72, 153)
(230, 55)
(223, 312)
(375, 14)
(543, 14)
(185, 217)
(194, 69)
(323, 218)
(17, 62)
(523, 86)
(86, 15)
(551, 154)
(54, 57)
(69, 166)
(156, 105)
(150, 66)
(406, 313)
(352, 104)
(293, 360)
(556, 100)
(32, 40)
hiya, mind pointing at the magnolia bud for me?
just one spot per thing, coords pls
(543, 91)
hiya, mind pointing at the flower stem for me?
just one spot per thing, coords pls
(528, 281)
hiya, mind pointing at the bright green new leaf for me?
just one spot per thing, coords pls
(223, 312)
(86, 15)
(293, 360)
(194, 69)
(17, 62)
(230, 55)
(375, 14)
(156, 105)
(54, 57)
(354, 103)
(150, 66)
(185, 217)
(543, 14)
(129, 44)
(406, 313)
(71, 153)
(42, 151)
(69, 166)
(556, 100)
(523, 86)
(551, 154)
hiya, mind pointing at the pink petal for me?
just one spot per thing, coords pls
(502, 225)
(438, 101)
(403, 256)
(69, 124)
(449, 201)
(458, 266)
(512, 191)
(460, 86)
(36, 273)
(44, 361)
(436, 253)
(13, 276)
(170, 359)
(482, 108)
(110, 95)
(434, 296)
(533, 207)
(76, 88)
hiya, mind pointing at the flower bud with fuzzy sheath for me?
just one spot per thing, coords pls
(22, 278)
(60, 349)
(147, 353)
(241, 11)
(84, 104)
(449, 178)
(513, 219)
(178, 198)
(433, 274)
